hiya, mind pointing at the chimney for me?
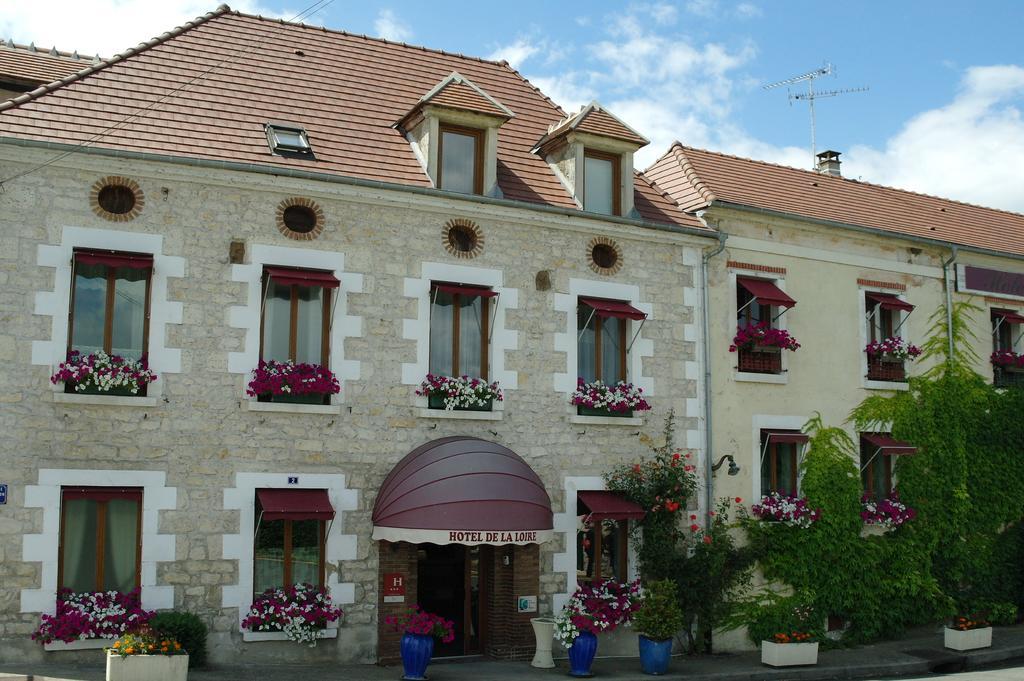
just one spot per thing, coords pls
(828, 163)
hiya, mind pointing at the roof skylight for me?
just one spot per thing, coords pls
(288, 139)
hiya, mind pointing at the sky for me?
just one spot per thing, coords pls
(941, 115)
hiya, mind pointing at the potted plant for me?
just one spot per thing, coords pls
(459, 393)
(301, 611)
(785, 509)
(274, 381)
(600, 399)
(968, 632)
(884, 515)
(145, 655)
(102, 374)
(794, 633)
(1007, 368)
(658, 619)
(419, 631)
(594, 608)
(94, 615)
(886, 358)
(760, 347)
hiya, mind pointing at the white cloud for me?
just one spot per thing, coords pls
(967, 150)
(390, 27)
(516, 53)
(104, 27)
(748, 10)
(702, 8)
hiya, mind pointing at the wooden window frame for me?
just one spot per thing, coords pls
(616, 161)
(598, 329)
(287, 558)
(745, 311)
(886, 319)
(101, 536)
(1003, 338)
(108, 309)
(293, 324)
(485, 318)
(868, 475)
(478, 153)
(622, 529)
(772, 457)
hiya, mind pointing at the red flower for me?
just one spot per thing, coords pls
(672, 506)
(694, 527)
(707, 539)
(675, 457)
(739, 500)
(693, 516)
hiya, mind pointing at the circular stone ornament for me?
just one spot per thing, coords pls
(300, 218)
(462, 238)
(604, 255)
(116, 198)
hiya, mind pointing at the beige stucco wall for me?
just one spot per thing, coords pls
(198, 432)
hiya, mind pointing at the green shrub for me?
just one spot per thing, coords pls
(660, 617)
(188, 629)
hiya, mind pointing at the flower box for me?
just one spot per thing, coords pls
(436, 401)
(788, 654)
(590, 411)
(882, 368)
(287, 382)
(102, 374)
(970, 639)
(301, 612)
(760, 360)
(148, 667)
(90, 620)
(1007, 377)
(872, 530)
(308, 398)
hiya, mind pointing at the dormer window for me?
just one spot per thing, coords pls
(288, 140)
(592, 154)
(460, 159)
(601, 180)
(453, 131)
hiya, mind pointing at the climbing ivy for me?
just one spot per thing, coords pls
(965, 549)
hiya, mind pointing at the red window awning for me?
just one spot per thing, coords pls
(766, 292)
(613, 308)
(289, 276)
(135, 261)
(1009, 316)
(887, 445)
(605, 505)
(466, 290)
(295, 504)
(889, 301)
(793, 437)
(102, 493)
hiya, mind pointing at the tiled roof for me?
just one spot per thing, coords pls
(696, 177)
(206, 90)
(32, 67)
(458, 93)
(596, 120)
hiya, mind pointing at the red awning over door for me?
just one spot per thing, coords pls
(135, 261)
(887, 445)
(766, 292)
(613, 308)
(289, 276)
(606, 505)
(889, 301)
(463, 490)
(295, 504)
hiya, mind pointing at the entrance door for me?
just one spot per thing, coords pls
(452, 583)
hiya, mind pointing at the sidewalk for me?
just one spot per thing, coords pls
(918, 654)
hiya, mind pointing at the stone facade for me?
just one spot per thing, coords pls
(199, 431)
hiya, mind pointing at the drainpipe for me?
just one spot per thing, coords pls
(705, 333)
(946, 264)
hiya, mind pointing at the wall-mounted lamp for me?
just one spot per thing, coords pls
(733, 467)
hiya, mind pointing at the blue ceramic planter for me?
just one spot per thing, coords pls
(581, 654)
(655, 655)
(416, 652)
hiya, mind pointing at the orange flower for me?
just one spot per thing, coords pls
(177, 646)
(130, 651)
(117, 644)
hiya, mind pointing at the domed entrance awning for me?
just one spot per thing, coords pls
(463, 490)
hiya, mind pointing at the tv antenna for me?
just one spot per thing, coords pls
(827, 70)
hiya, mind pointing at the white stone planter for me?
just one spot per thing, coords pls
(544, 632)
(80, 644)
(788, 654)
(873, 530)
(148, 667)
(968, 640)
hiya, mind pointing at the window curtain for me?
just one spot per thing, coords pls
(277, 314)
(441, 340)
(121, 545)
(306, 551)
(79, 545)
(90, 308)
(310, 326)
(129, 321)
(611, 349)
(470, 333)
(268, 556)
(586, 350)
